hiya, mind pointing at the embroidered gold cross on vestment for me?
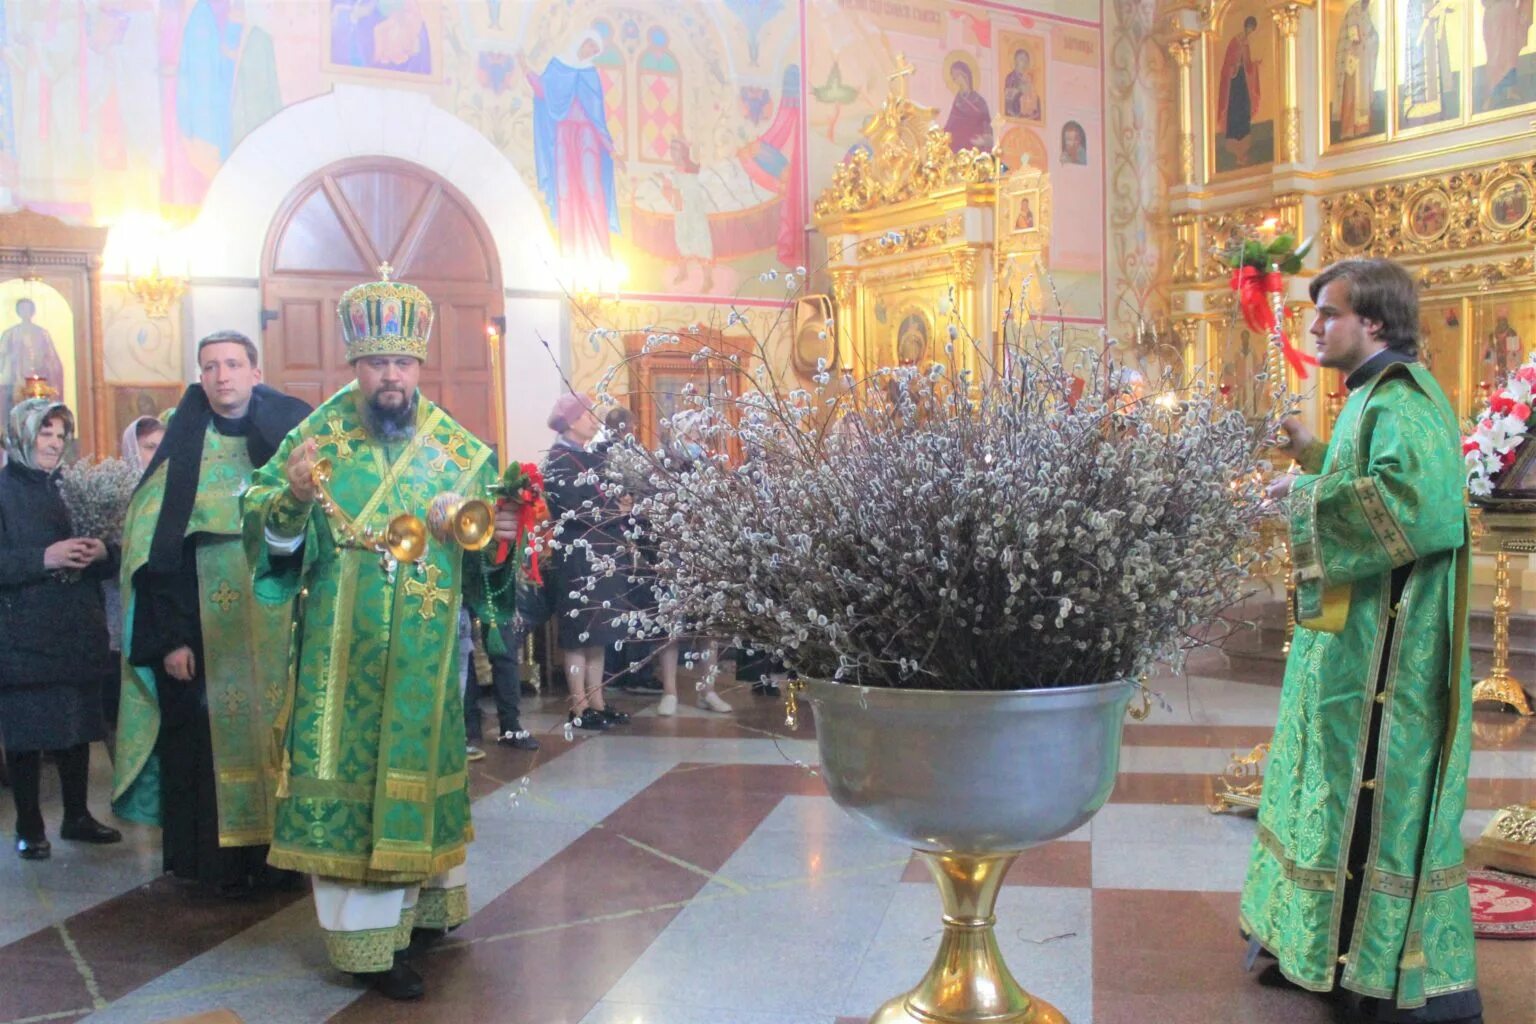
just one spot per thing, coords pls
(341, 438)
(450, 453)
(430, 593)
(226, 597)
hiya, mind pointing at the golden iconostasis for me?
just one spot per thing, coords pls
(1396, 129)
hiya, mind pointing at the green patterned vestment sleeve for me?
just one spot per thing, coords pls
(1362, 517)
(1389, 494)
(375, 787)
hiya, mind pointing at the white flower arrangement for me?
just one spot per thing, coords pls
(1501, 427)
(923, 529)
(97, 496)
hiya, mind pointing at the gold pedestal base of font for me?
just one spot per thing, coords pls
(968, 982)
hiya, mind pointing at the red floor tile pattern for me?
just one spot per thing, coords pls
(121, 948)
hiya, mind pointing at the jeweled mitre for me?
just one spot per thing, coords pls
(385, 318)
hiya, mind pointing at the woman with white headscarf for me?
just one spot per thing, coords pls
(54, 658)
(141, 440)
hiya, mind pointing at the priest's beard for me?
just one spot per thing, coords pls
(390, 424)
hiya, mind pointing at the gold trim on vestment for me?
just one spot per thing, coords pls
(1333, 611)
(1441, 879)
(1313, 879)
(356, 868)
(1374, 664)
(306, 787)
(364, 952)
(240, 774)
(442, 908)
(404, 785)
(334, 687)
(245, 837)
(407, 855)
(1389, 532)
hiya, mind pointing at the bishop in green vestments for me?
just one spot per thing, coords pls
(1356, 879)
(374, 799)
(201, 688)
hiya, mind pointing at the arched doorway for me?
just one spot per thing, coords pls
(334, 231)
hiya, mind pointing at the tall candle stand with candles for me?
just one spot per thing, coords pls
(1501, 534)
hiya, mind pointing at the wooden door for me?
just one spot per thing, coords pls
(333, 232)
(670, 379)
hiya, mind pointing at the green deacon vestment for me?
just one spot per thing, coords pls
(374, 789)
(1389, 493)
(243, 643)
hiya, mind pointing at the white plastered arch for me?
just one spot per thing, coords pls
(224, 243)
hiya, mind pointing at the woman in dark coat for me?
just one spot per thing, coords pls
(595, 521)
(54, 657)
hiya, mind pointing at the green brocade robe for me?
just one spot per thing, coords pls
(1389, 492)
(246, 682)
(374, 788)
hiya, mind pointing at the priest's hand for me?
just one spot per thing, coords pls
(68, 554)
(506, 523)
(1300, 436)
(181, 664)
(301, 470)
(1280, 487)
(94, 548)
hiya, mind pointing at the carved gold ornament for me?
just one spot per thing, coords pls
(1517, 825)
(1487, 207)
(1240, 786)
(1483, 274)
(1202, 239)
(891, 243)
(909, 157)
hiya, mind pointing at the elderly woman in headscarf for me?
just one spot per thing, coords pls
(588, 520)
(141, 440)
(54, 657)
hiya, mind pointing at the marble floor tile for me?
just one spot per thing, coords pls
(790, 950)
(693, 869)
(611, 1012)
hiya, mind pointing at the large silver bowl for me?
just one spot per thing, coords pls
(969, 779)
(970, 771)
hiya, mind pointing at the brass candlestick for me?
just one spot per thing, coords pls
(1279, 370)
(1500, 686)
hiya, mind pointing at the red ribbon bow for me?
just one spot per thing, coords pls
(1254, 287)
(531, 511)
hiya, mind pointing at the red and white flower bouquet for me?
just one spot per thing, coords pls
(1502, 426)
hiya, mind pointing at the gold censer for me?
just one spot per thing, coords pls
(453, 519)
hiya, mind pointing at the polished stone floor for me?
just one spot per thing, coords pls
(693, 871)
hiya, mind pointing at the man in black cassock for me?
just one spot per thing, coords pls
(205, 663)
